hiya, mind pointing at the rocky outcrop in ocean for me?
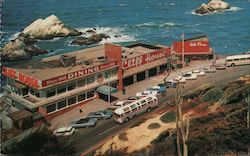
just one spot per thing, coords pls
(20, 48)
(49, 28)
(93, 39)
(24, 47)
(212, 6)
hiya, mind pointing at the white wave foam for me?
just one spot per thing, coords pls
(156, 25)
(116, 34)
(14, 36)
(234, 9)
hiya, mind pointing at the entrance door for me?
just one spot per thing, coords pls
(128, 81)
(152, 72)
(141, 76)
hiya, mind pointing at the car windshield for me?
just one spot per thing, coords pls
(82, 121)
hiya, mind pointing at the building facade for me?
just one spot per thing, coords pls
(56, 84)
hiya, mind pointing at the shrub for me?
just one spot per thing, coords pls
(161, 138)
(168, 117)
(154, 126)
(123, 137)
(213, 94)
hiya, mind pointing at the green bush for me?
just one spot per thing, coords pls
(168, 117)
(161, 138)
(213, 94)
(154, 126)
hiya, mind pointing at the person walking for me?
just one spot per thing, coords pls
(80, 109)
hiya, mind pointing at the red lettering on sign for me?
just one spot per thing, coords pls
(143, 59)
(194, 46)
(76, 74)
(24, 79)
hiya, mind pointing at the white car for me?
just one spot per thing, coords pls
(198, 72)
(190, 76)
(64, 131)
(209, 70)
(146, 92)
(180, 79)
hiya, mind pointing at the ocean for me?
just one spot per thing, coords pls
(148, 21)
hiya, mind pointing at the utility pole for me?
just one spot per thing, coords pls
(183, 50)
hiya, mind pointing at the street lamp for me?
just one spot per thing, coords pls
(109, 89)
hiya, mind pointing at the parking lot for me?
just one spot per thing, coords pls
(131, 90)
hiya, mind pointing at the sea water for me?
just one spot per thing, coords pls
(148, 21)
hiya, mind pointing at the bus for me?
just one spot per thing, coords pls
(238, 60)
(135, 108)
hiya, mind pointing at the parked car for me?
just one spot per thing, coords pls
(103, 114)
(180, 79)
(198, 72)
(190, 76)
(64, 131)
(119, 104)
(145, 93)
(209, 70)
(133, 98)
(84, 122)
(158, 89)
(170, 84)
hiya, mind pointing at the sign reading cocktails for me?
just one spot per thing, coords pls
(142, 59)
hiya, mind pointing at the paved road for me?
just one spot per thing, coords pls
(87, 140)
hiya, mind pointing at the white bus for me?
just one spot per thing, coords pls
(238, 60)
(135, 108)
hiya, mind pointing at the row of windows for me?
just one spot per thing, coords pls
(242, 59)
(70, 101)
(80, 83)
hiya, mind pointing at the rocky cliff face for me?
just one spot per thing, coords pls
(212, 6)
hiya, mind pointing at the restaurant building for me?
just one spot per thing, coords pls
(195, 48)
(56, 84)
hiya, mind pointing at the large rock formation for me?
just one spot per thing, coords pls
(20, 48)
(212, 6)
(23, 46)
(93, 39)
(49, 28)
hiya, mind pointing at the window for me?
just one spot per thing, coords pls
(71, 101)
(81, 97)
(126, 110)
(243, 58)
(90, 80)
(236, 59)
(107, 74)
(32, 92)
(61, 104)
(37, 94)
(51, 108)
(71, 86)
(248, 58)
(61, 89)
(51, 93)
(90, 94)
(133, 107)
(81, 83)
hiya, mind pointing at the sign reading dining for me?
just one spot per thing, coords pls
(24, 79)
(76, 74)
(142, 59)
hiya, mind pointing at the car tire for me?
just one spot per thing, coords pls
(126, 120)
(149, 109)
(232, 65)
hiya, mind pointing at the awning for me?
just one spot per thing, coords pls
(106, 90)
(20, 114)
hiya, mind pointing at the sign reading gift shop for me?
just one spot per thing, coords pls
(191, 46)
(142, 59)
(79, 73)
(24, 79)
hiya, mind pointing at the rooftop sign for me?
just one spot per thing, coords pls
(24, 79)
(143, 59)
(192, 46)
(77, 74)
